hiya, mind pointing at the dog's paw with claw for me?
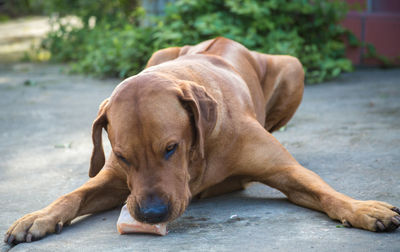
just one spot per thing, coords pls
(373, 215)
(32, 227)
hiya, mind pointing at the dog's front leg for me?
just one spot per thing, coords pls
(265, 160)
(305, 188)
(102, 192)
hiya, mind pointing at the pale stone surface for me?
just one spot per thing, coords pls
(348, 131)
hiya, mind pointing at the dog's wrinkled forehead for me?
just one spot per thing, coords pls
(146, 104)
(140, 86)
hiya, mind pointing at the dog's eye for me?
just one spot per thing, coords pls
(122, 159)
(170, 150)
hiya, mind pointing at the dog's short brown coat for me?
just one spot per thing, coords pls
(218, 102)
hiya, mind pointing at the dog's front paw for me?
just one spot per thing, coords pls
(31, 227)
(373, 215)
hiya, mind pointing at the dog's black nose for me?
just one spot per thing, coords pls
(152, 210)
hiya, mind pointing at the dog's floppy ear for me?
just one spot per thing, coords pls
(98, 159)
(203, 108)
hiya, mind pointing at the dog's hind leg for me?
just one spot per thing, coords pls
(282, 82)
(265, 160)
(104, 191)
(163, 55)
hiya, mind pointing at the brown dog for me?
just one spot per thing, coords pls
(197, 122)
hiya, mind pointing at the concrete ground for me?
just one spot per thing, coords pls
(347, 130)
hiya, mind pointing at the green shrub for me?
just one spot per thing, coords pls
(17, 8)
(109, 49)
(118, 46)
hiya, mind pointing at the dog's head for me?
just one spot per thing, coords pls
(156, 127)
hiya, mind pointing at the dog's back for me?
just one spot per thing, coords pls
(275, 82)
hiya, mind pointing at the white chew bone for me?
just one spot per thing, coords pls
(126, 224)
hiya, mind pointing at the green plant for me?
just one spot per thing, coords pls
(118, 46)
(308, 30)
(16, 8)
(111, 48)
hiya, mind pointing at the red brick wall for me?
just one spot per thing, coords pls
(376, 22)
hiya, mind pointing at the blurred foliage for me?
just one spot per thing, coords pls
(112, 12)
(101, 9)
(16, 8)
(305, 29)
(119, 44)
